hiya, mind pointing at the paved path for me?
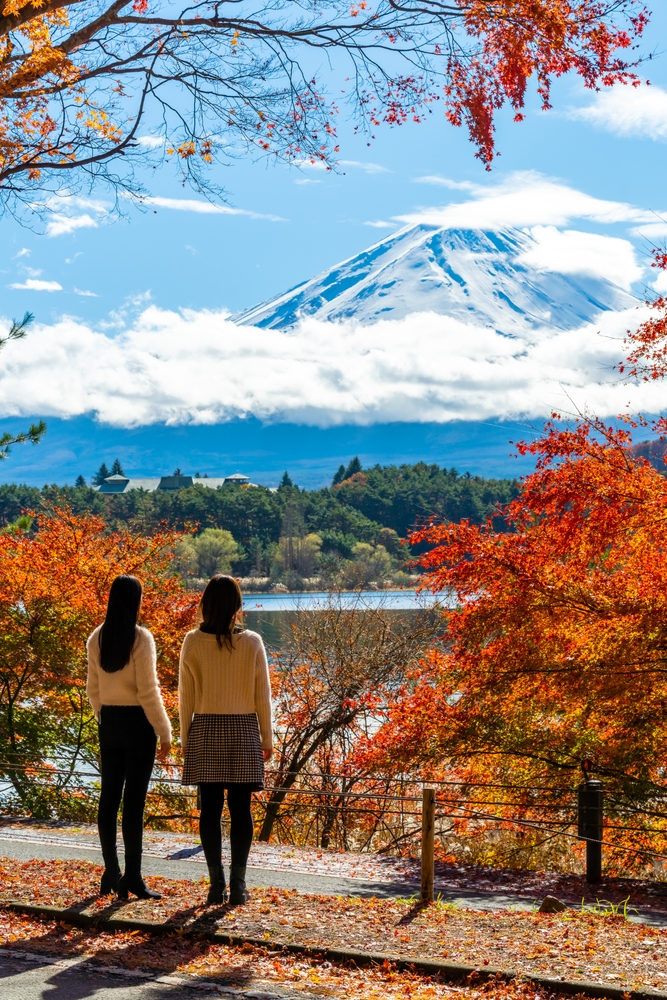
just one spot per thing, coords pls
(326, 885)
(36, 977)
(310, 869)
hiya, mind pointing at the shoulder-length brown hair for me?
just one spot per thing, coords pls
(221, 600)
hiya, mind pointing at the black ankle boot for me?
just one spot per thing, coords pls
(110, 878)
(217, 893)
(238, 893)
(135, 884)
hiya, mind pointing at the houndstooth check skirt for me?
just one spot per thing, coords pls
(225, 749)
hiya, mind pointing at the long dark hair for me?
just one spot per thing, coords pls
(220, 602)
(119, 630)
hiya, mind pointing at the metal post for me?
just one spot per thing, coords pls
(591, 810)
(428, 841)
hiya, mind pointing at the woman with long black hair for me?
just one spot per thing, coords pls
(225, 710)
(124, 692)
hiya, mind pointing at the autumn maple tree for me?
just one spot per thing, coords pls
(90, 87)
(55, 574)
(556, 644)
(647, 359)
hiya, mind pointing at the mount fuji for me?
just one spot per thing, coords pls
(434, 344)
(490, 279)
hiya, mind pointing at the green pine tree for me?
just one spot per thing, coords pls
(286, 481)
(354, 466)
(339, 476)
(117, 468)
(101, 474)
(80, 481)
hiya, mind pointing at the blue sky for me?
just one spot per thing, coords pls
(605, 156)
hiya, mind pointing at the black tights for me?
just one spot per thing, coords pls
(240, 835)
(127, 752)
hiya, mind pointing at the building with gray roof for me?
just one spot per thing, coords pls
(123, 484)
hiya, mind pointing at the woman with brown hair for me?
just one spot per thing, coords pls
(124, 692)
(224, 696)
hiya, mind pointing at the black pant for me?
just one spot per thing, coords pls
(127, 752)
(240, 834)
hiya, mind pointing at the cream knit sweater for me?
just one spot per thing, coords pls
(215, 681)
(135, 684)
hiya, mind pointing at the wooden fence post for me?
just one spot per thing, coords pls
(428, 840)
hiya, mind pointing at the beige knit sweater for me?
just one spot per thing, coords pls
(215, 681)
(135, 684)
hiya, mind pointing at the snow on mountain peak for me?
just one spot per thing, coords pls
(482, 278)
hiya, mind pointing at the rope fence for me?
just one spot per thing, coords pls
(393, 816)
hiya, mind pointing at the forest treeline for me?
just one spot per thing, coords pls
(362, 514)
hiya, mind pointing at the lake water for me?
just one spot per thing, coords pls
(396, 600)
(270, 614)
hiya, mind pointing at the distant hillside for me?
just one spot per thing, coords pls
(370, 506)
(402, 497)
(653, 451)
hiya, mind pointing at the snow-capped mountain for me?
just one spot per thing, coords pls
(487, 279)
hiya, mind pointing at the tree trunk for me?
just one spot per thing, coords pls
(271, 814)
(329, 820)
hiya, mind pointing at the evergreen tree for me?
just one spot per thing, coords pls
(101, 474)
(116, 468)
(286, 481)
(393, 498)
(80, 481)
(339, 476)
(354, 466)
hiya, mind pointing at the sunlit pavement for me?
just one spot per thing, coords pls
(24, 849)
(195, 870)
(35, 977)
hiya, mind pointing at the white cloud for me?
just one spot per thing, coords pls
(369, 168)
(60, 225)
(87, 295)
(66, 213)
(24, 252)
(526, 198)
(572, 252)
(311, 165)
(204, 208)
(200, 368)
(446, 182)
(150, 141)
(632, 112)
(35, 285)
(380, 224)
(652, 230)
(63, 213)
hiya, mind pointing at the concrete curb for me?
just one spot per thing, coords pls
(450, 971)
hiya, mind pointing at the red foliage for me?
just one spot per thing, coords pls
(540, 39)
(555, 645)
(648, 343)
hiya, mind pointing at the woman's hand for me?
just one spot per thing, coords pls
(163, 752)
(268, 754)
